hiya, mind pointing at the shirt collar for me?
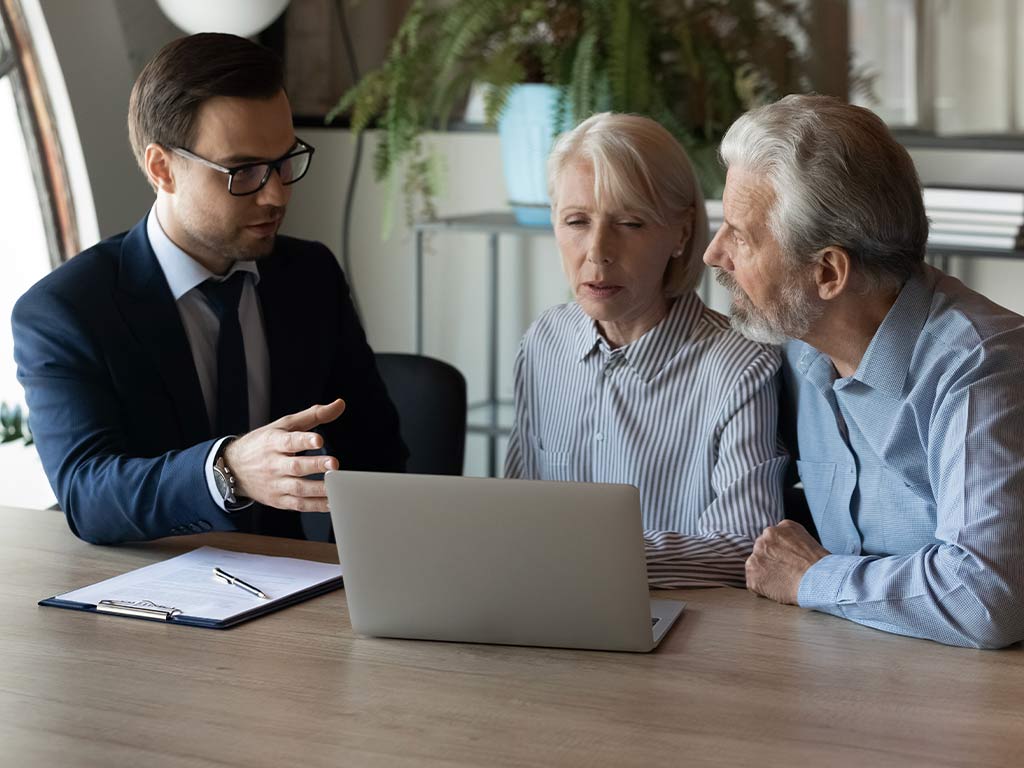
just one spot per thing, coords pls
(587, 336)
(652, 351)
(886, 362)
(814, 365)
(182, 272)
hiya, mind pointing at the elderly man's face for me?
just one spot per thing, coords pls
(615, 260)
(772, 300)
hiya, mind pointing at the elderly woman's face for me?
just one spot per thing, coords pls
(615, 259)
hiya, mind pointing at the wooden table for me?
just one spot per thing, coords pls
(740, 681)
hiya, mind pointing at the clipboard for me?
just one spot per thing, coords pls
(182, 590)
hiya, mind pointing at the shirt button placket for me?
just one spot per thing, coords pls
(599, 422)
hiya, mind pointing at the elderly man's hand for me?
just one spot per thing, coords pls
(267, 468)
(782, 554)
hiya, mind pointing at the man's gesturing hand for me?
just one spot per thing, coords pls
(782, 554)
(267, 470)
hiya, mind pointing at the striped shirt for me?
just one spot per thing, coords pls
(686, 413)
(913, 468)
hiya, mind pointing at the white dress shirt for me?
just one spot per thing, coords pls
(184, 275)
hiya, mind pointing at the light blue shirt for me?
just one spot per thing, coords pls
(184, 275)
(913, 469)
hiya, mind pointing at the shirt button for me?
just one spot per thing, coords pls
(599, 436)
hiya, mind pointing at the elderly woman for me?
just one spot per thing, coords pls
(637, 381)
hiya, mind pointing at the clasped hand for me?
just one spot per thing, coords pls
(782, 554)
(267, 469)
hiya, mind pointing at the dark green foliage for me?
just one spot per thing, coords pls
(694, 65)
(14, 424)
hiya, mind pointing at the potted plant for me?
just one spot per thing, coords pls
(693, 65)
(23, 482)
(14, 424)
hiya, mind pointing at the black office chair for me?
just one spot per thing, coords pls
(430, 396)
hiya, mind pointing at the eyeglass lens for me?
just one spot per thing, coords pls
(249, 179)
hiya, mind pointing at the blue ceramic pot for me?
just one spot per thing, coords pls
(527, 132)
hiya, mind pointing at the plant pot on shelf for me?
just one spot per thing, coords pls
(527, 130)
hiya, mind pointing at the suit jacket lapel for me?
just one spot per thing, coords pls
(151, 313)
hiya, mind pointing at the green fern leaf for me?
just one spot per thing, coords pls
(638, 97)
(465, 28)
(619, 37)
(581, 90)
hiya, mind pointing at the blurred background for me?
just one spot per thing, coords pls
(945, 74)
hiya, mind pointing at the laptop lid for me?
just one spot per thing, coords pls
(517, 562)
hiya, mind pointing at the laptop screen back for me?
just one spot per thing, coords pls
(492, 561)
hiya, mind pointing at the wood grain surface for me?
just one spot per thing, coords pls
(738, 681)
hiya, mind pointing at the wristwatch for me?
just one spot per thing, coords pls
(224, 478)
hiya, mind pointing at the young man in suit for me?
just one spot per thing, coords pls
(173, 371)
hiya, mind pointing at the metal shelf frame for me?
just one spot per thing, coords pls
(493, 225)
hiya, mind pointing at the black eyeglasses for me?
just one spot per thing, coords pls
(252, 177)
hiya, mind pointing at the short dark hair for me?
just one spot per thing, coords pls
(187, 72)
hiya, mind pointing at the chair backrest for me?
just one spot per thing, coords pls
(430, 396)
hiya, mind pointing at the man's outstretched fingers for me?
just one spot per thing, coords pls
(301, 466)
(311, 417)
(296, 442)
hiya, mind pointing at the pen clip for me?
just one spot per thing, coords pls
(142, 609)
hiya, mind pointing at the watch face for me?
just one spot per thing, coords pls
(223, 486)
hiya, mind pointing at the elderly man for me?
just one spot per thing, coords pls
(905, 384)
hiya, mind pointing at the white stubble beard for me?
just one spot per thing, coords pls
(789, 316)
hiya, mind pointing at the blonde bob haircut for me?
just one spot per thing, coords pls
(639, 167)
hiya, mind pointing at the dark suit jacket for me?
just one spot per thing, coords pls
(115, 402)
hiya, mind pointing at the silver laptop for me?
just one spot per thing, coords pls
(517, 562)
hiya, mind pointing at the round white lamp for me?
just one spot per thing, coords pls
(238, 17)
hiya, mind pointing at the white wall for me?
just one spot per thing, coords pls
(90, 46)
(382, 269)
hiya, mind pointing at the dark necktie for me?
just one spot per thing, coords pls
(232, 373)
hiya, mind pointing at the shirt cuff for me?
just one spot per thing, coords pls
(822, 584)
(211, 479)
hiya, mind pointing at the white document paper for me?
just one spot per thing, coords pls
(187, 583)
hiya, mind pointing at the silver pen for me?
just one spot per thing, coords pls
(228, 578)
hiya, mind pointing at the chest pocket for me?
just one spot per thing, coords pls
(817, 477)
(554, 465)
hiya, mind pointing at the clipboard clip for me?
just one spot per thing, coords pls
(142, 609)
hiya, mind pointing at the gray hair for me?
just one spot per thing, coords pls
(840, 178)
(638, 165)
